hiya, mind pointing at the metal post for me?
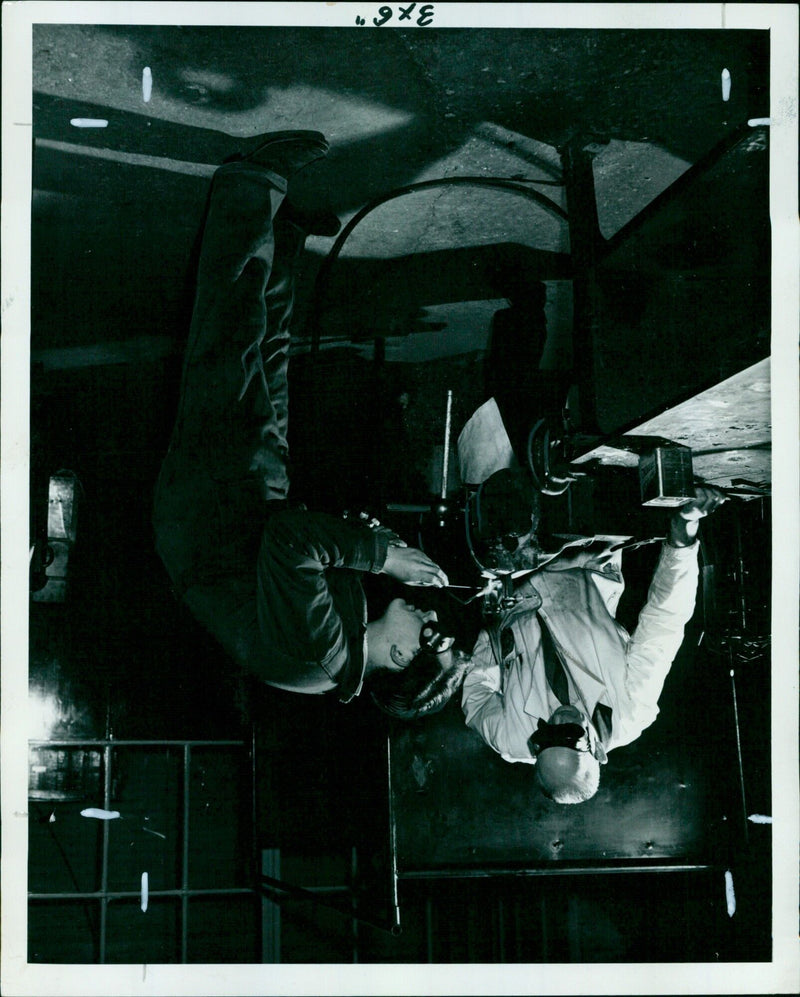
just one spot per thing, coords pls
(227, 891)
(270, 883)
(379, 357)
(394, 900)
(545, 936)
(354, 901)
(574, 929)
(446, 452)
(584, 238)
(429, 927)
(270, 910)
(101, 958)
(501, 930)
(187, 760)
(742, 572)
(738, 748)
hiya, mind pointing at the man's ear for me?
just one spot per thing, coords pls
(400, 660)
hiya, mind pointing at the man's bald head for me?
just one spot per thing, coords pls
(567, 775)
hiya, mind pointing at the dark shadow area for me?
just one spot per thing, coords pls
(559, 78)
(384, 289)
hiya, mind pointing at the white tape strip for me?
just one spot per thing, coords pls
(730, 895)
(100, 814)
(726, 85)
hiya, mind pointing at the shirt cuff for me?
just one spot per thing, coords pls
(380, 548)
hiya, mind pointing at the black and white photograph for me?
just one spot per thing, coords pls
(399, 586)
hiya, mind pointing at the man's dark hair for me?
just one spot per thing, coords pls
(425, 687)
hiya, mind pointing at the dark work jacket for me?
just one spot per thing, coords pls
(311, 607)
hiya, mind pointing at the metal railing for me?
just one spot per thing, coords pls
(104, 895)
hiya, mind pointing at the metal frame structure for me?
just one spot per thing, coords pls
(104, 895)
(271, 887)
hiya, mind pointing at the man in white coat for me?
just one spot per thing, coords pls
(561, 683)
(558, 682)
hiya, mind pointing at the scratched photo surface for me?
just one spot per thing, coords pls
(573, 222)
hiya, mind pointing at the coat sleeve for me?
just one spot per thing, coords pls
(659, 634)
(298, 551)
(486, 710)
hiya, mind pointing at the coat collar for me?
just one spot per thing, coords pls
(583, 658)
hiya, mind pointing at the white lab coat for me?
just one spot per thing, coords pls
(579, 599)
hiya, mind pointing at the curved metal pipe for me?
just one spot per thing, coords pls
(499, 183)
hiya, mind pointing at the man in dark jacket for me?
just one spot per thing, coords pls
(279, 588)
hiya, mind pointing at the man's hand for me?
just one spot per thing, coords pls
(684, 522)
(412, 567)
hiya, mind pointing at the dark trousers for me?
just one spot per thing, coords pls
(228, 452)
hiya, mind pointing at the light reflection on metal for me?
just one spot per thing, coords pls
(62, 524)
(446, 456)
(60, 774)
(56, 709)
(66, 769)
(43, 714)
